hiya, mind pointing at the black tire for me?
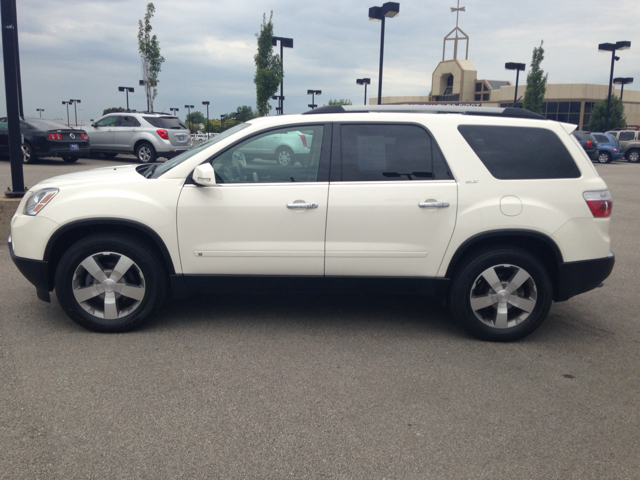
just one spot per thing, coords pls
(27, 154)
(604, 157)
(508, 264)
(633, 156)
(109, 154)
(146, 153)
(88, 299)
(70, 158)
(284, 156)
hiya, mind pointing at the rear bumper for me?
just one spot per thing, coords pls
(36, 271)
(575, 278)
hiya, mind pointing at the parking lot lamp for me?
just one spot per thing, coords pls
(75, 108)
(40, 110)
(313, 94)
(67, 104)
(612, 47)
(206, 102)
(288, 43)
(518, 67)
(174, 110)
(126, 89)
(389, 9)
(622, 81)
(365, 82)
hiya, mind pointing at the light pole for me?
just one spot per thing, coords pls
(313, 94)
(365, 82)
(174, 110)
(222, 121)
(126, 89)
(75, 108)
(288, 43)
(518, 67)
(280, 98)
(612, 47)
(67, 104)
(389, 9)
(206, 102)
(189, 107)
(143, 83)
(40, 110)
(622, 81)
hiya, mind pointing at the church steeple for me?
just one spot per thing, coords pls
(456, 38)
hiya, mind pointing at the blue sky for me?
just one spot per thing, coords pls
(85, 49)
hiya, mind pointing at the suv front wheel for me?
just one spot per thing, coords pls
(110, 283)
(501, 294)
(146, 153)
(633, 156)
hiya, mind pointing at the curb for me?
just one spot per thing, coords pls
(8, 207)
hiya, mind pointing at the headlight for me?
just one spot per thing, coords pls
(39, 200)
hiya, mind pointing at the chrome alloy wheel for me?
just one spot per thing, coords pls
(503, 296)
(108, 285)
(284, 157)
(144, 154)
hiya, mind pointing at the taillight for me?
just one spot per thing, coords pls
(163, 133)
(615, 150)
(304, 140)
(84, 136)
(54, 136)
(589, 144)
(600, 203)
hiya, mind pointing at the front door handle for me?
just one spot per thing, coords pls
(433, 204)
(302, 205)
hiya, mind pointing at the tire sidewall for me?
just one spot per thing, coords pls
(151, 267)
(153, 155)
(465, 278)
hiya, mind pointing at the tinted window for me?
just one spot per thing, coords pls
(127, 121)
(601, 139)
(166, 122)
(518, 153)
(43, 124)
(107, 122)
(626, 136)
(389, 153)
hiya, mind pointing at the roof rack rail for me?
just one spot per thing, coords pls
(481, 111)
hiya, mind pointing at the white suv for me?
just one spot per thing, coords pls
(498, 211)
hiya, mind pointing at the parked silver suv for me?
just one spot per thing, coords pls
(146, 135)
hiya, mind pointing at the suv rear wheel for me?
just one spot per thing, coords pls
(633, 156)
(501, 294)
(146, 153)
(110, 283)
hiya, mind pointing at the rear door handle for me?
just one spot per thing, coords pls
(302, 205)
(433, 204)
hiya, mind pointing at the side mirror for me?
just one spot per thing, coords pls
(94, 125)
(204, 175)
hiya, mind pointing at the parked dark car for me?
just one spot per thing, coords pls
(608, 147)
(588, 142)
(46, 138)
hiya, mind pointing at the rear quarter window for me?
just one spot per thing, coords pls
(166, 122)
(520, 153)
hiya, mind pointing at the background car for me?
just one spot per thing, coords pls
(285, 148)
(46, 138)
(588, 142)
(629, 141)
(608, 147)
(145, 135)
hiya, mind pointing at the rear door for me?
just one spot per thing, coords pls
(392, 202)
(126, 132)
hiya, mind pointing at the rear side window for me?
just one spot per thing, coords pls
(378, 152)
(626, 136)
(601, 139)
(520, 153)
(166, 122)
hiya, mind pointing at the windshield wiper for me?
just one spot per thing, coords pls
(150, 170)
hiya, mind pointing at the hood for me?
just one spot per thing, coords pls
(106, 175)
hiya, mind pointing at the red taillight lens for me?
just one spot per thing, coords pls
(600, 203)
(615, 150)
(163, 133)
(304, 140)
(84, 136)
(589, 144)
(54, 136)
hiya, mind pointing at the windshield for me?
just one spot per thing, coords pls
(169, 164)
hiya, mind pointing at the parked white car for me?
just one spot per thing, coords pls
(499, 211)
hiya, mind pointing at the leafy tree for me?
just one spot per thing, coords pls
(196, 117)
(598, 120)
(113, 109)
(149, 49)
(342, 101)
(536, 82)
(269, 72)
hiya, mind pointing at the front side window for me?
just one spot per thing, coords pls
(278, 156)
(520, 153)
(626, 136)
(107, 121)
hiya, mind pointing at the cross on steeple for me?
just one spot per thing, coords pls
(458, 10)
(456, 38)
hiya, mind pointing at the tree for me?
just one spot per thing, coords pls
(196, 117)
(598, 120)
(149, 49)
(536, 82)
(113, 109)
(269, 72)
(342, 101)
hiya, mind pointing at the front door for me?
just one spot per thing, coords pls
(101, 133)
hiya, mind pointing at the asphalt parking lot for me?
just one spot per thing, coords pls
(239, 386)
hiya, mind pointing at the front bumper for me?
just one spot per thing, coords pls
(575, 278)
(36, 271)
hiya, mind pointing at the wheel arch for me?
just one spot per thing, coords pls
(72, 232)
(141, 141)
(539, 245)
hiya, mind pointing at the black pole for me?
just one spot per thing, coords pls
(515, 95)
(127, 90)
(282, 80)
(68, 122)
(207, 118)
(12, 92)
(621, 92)
(381, 58)
(75, 112)
(365, 93)
(613, 55)
(14, 14)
